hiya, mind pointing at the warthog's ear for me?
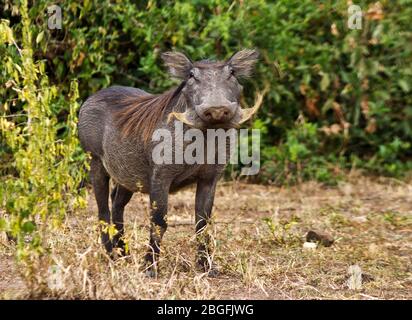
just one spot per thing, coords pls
(243, 62)
(178, 64)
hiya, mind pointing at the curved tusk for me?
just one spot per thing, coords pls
(181, 117)
(249, 112)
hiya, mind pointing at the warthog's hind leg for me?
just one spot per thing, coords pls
(159, 194)
(120, 198)
(100, 181)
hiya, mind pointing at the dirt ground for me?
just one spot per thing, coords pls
(259, 234)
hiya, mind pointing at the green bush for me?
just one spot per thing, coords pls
(300, 157)
(40, 183)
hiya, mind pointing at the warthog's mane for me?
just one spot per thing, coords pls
(140, 115)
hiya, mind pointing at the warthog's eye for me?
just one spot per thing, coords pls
(192, 77)
(231, 73)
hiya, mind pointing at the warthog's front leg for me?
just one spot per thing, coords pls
(158, 202)
(205, 194)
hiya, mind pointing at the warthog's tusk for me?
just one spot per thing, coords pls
(181, 117)
(249, 112)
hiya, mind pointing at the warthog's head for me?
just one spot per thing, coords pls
(211, 89)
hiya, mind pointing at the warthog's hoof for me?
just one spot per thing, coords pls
(150, 267)
(151, 273)
(211, 270)
(213, 273)
(121, 252)
(118, 255)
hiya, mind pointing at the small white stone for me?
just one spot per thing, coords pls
(355, 277)
(360, 219)
(310, 245)
(55, 279)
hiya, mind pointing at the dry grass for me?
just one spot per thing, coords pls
(259, 233)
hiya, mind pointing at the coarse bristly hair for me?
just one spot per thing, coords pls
(140, 115)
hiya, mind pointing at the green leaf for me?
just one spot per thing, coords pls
(324, 83)
(28, 227)
(40, 37)
(3, 224)
(404, 85)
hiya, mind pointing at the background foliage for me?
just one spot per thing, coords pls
(338, 98)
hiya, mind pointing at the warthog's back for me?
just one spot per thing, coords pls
(95, 115)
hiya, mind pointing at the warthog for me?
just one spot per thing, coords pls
(116, 126)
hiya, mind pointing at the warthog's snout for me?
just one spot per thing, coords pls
(217, 113)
